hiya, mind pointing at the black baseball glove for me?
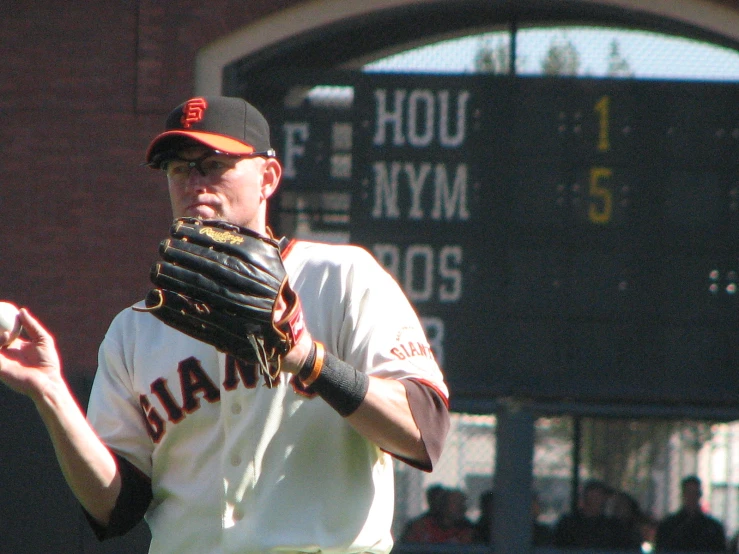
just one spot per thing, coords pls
(224, 285)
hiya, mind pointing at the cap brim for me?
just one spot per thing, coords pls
(225, 144)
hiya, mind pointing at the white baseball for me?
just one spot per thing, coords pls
(10, 324)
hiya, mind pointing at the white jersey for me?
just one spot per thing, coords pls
(237, 467)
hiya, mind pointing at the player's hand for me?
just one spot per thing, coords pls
(293, 361)
(220, 283)
(28, 366)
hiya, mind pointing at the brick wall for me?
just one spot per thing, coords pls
(83, 88)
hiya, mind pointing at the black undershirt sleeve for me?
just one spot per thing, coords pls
(431, 415)
(132, 503)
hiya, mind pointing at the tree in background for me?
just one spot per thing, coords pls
(496, 58)
(562, 59)
(631, 454)
(618, 66)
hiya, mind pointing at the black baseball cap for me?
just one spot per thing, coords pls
(230, 125)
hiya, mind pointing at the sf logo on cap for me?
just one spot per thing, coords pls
(193, 111)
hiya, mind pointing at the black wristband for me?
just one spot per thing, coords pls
(340, 385)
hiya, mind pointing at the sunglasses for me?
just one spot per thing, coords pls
(173, 164)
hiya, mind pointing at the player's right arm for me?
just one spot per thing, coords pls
(32, 367)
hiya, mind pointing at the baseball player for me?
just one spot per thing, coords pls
(191, 438)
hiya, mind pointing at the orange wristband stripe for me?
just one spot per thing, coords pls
(317, 366)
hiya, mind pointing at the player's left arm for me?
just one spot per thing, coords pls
(398, 402)
(407, 418)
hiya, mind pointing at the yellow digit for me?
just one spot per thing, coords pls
(600, 212)
(603, 107)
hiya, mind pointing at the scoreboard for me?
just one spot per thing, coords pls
(562, 239)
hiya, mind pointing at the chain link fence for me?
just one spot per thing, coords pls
(645, 459)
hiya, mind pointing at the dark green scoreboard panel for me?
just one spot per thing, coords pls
(562, 239)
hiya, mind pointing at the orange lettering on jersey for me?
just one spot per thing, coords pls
(426, 351)
(160, 389)
(412, 349)
(194, 385)
(398, 353)
(234, 368)
(193, 380)
(155, 424)
(193, 111)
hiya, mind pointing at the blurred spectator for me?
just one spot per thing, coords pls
(541, 534)
(589, 526)
(435, 501)
(449, 525)
(484, 525)
(636, 527)
(689, 529)
(455, 517)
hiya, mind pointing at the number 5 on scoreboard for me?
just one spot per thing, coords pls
(601, 205)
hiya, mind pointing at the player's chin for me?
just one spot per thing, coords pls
(201, 211)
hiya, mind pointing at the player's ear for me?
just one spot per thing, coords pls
(271, 173)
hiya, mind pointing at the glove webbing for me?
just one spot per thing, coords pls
(263, 360)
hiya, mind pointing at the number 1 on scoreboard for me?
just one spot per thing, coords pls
(603, 107)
